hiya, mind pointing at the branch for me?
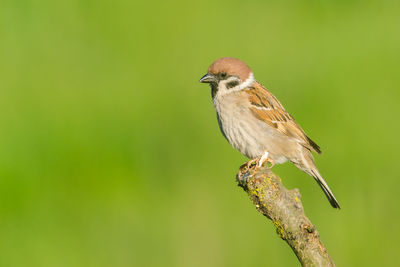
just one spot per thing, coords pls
(284, 208)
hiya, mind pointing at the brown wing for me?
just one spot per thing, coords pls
(267, 108)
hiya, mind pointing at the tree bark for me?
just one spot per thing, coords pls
(284, 208)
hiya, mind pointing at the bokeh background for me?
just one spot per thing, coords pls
(110, 153)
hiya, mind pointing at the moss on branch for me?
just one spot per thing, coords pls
(284, 208)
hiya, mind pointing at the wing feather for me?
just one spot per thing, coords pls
(267, 108)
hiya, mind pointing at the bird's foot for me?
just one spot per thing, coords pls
(264, 158)
(247, 166)
(252, 163)
(256, 163)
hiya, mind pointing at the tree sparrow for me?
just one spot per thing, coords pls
(255, 123)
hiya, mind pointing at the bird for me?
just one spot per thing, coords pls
(254, 122)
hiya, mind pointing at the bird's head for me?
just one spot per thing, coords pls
(228, 75)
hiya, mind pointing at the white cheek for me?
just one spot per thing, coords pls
(222, 84)
(222, 88)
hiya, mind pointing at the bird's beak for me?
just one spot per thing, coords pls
(208, 78)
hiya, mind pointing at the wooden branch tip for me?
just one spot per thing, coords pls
(284, 208)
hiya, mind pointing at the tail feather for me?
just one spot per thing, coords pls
(324, 186)
(306, 164)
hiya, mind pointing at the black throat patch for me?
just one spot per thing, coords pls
(214, 89)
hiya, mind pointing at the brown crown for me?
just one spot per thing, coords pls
(232, 66)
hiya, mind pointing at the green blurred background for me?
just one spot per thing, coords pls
(110, 153)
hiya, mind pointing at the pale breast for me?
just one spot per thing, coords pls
(246, 133)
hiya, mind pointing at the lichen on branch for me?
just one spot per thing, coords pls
(284, 208)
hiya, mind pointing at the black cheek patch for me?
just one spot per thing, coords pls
(232, 84)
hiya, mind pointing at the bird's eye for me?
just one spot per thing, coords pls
(223, 74)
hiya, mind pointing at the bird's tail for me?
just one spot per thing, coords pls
(324, 186)
(308, 166)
